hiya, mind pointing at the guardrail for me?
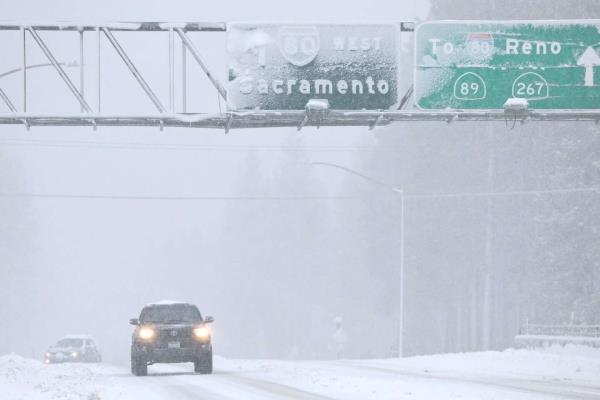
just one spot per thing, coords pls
(535, 335)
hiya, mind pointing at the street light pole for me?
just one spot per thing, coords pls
(401, 193)
(401, 317)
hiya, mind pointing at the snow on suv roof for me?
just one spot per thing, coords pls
(166, 303)
(76, 337)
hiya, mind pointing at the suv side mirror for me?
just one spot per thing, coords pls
(134, 321)
(208, 320)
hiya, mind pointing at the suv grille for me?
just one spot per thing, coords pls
(175, 334)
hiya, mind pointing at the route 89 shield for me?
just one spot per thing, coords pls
(282, 67)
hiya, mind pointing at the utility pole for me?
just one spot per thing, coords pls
(488, 262)
(401, 317)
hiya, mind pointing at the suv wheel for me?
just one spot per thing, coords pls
(204, 365)
(139, 367)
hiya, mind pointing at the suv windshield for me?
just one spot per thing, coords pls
(181, 313)
(69, 343)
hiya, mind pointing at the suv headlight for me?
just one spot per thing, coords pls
(201, 332)
(146, 333)
(74, 354)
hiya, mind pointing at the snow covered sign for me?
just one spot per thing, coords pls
(479, 65)
(282, 67)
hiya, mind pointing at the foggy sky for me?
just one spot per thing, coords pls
(273, 267)
(86, 266)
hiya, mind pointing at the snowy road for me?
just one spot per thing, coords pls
(228, 385)
(550, 374)
(547, 388)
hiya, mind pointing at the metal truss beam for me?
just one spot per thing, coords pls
(7, 101)
(133, 69)
(59, 69)
(257, 119)
(190, 46)
(120, 26)
(173, 29)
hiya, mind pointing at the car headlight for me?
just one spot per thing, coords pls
(146, 333)
(201, 332)
(74, 354)
(48, 354)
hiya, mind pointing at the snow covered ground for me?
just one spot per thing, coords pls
(569, 373)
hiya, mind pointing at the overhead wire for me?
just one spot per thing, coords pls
(292, 198)
(167, 146)
(169, 198)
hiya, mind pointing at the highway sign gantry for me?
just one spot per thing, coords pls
(20, 89)
(479, 65)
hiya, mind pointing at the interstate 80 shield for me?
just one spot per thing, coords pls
(282, 67)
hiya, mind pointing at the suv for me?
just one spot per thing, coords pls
(73, 348)
(171, 332)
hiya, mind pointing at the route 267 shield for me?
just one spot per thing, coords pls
(299, 44)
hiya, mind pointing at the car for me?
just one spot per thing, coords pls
(171, 332)
(73, 348)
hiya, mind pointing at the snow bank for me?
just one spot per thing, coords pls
(572, 363)
(555, 372)
(22, 378)
(25, 379)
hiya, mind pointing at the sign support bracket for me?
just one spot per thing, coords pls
(406, 97)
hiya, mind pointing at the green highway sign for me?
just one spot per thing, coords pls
(284, 66)
(479, 65)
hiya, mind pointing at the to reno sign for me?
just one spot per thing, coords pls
(479, 65)
(282, 67)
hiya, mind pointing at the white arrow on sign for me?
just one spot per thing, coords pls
(589, 59)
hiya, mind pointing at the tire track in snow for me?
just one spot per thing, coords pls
(187, 386)
(191, 392)
(227, 385)
(278, 389)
